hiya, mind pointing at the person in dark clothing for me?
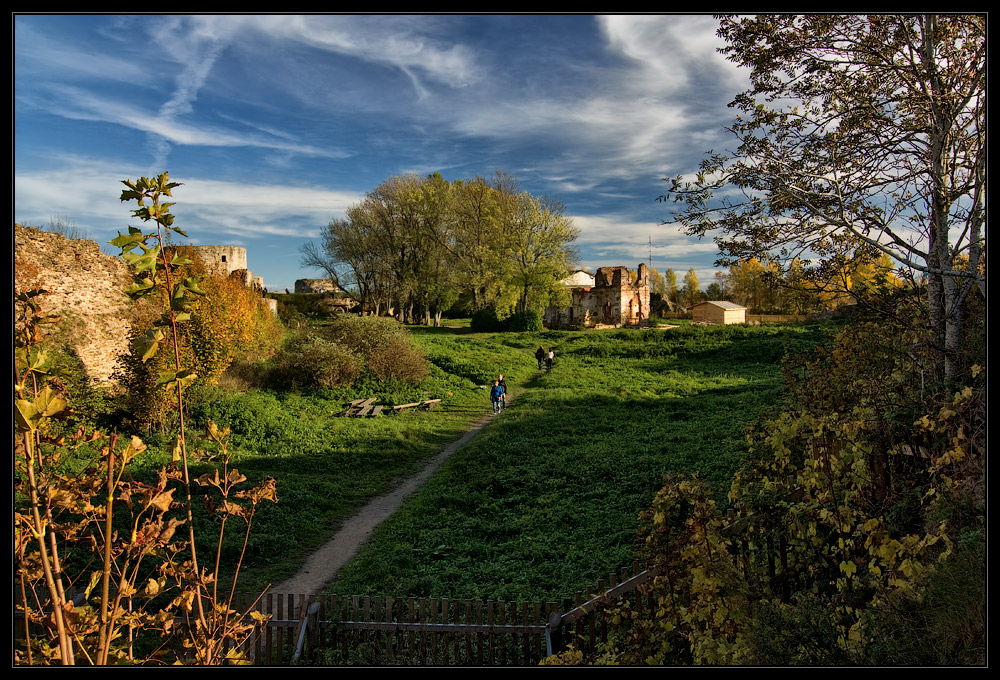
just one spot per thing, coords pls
(503, 391)
(540, 355)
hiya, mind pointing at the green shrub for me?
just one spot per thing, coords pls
(485, 321)
(364, 334)
(383, 343)
(338, 354)
(528, 320)
(310, 361)
(398, 360)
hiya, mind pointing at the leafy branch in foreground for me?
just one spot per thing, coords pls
(83, 524)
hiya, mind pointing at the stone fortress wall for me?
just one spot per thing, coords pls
(85, 288)
(315, 286)
(222, 260)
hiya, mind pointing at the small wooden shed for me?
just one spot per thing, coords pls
(718, 311)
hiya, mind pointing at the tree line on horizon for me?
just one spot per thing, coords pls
(765, 287)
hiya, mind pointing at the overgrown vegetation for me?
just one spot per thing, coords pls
(82, 523)
(348, 351)
(487, 321)
(229, 323)
(862, 506)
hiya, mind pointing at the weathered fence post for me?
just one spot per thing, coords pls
(553, 633)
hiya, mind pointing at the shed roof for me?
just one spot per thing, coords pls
(722, 304)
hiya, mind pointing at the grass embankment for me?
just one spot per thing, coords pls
(328, 467)
(545, 501)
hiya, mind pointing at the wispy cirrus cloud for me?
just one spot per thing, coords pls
(255, 210)
(289, 119)
(617, 231)
(80, 104)
(205, 208)
(641, 114)
(675, 52)
(394, 41)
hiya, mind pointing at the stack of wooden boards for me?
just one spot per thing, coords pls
(367, 408)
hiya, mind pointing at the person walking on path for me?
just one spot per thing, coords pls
(540, 355)
(503, 391)
(495, 395)
(548, 360)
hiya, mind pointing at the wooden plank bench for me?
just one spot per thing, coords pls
(359, 405)
(430, 403)
(362, 408)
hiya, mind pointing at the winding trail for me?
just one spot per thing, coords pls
(322, 566)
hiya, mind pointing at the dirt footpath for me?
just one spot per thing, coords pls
(323, 565)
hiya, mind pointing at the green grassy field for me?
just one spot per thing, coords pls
(327, 467)
(546, 500)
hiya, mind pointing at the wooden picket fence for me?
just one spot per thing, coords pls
(358, 630)
(376, 631)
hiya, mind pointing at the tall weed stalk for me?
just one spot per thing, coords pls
(77, 505)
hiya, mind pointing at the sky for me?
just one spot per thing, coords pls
(275, 125)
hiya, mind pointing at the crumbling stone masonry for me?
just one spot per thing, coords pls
(315, 286)
(613, 300)
(85, 288)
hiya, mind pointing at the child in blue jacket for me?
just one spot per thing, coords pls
(496, 394)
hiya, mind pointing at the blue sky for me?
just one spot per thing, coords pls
(276, 124)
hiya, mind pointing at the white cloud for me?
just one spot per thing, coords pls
(41, 56)
(672, 50)
(611, 232)
(392, 41)
(78, 104)
(203, 207)
(255, 210)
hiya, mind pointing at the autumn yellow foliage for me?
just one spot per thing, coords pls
(231, 323)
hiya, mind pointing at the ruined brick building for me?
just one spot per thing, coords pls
(614, 300)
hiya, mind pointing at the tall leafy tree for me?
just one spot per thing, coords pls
(538, 242)
(438, 288)
(670, 293)
(415, 244)
(691, 292)
(720, 288)
(473, 240)
(857, 133)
